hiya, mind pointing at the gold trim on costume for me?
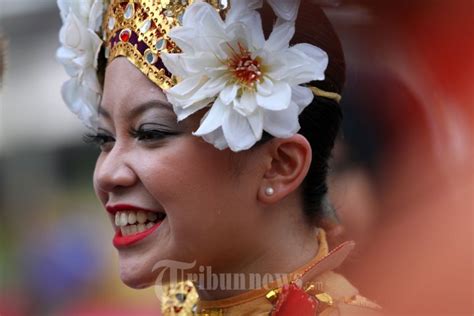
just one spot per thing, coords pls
(179, 299)
(359, 300)
(156, 75)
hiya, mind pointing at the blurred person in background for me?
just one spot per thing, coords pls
(202, 160)
(410, 94)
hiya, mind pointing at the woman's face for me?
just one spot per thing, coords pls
(148, 161)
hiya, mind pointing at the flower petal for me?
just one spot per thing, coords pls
(253, 30)
(95, 15)
(210, 89)
(246, 104)
(229, 93)
(280, 98)
(202, 63)
(213, 119)
(79, 55)
(173, 62)
(198, 12)
(186, 87)
(183, 112)
(283, 123)
(239, 9)
(184, 37)
(217, 139)
(95, 43)
(81, 101)
(91, 81)
(265, 87)
(71, 32)
(237, 132)
(280, 37)
(285, 9)
(301, 96)
(305, 63)
(256, 123)
(64, 8)
(203, 29)
(69, 92)
(66, 56)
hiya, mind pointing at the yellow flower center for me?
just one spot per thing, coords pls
(245, 69)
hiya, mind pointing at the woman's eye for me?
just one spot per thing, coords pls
(103, 141)
(151, 134)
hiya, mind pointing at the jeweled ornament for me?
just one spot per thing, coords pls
(160, 44)
(145, 26)
(150, 57)
(129, 11)
(223, 4)
(111, 23)
(125, 35)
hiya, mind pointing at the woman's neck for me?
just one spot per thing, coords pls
(283, 252)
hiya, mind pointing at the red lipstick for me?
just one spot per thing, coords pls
(121, 241)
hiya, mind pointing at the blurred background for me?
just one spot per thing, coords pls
(402, 175)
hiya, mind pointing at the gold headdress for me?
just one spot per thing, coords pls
(139, 31)
(204, 54)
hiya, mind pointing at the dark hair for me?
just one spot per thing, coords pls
(321, 120)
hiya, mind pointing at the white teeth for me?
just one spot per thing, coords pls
(135, 229)
(132, 218)
(123, 219)
(141, 217)
(131, 222)
(151, 216)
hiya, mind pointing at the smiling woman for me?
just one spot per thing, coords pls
(214, 146)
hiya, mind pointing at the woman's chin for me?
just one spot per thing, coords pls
(136, 275)
(136, 281)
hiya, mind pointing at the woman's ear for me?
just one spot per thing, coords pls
(288, 163)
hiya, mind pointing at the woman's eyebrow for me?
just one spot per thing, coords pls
(152, 104)
(140, 109)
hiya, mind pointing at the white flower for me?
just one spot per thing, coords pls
(79, 56)
(252, 83)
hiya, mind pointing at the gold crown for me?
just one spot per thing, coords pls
(138, 30)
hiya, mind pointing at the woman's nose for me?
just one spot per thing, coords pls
(114, 171)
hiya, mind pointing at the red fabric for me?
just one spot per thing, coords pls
(294, 301)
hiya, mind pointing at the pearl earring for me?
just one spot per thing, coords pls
(269, 191)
